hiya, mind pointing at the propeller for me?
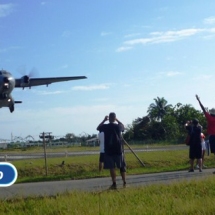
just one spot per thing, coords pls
(27, 75)
(25, 79)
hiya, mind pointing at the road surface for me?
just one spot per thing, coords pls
(97, 184)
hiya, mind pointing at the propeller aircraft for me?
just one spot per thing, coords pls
(8, 83)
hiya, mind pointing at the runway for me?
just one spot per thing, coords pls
(52, 188)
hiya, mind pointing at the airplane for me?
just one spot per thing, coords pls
(8, 83)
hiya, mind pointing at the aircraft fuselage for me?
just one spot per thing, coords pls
(8, 83)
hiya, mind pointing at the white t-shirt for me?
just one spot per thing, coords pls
(101, 137)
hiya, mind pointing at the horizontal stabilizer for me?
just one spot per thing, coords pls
(18, 102)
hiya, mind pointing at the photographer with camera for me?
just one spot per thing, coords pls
(113, 147)
(195, 150)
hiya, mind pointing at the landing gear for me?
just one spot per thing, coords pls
(11, 108)
(4, 95)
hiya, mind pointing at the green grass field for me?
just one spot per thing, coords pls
(79, 167)
(193, 198)
(187, 197)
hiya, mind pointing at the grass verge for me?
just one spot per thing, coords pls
(187, 197)
(86, 166)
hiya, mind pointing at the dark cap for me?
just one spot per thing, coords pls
(112, 114)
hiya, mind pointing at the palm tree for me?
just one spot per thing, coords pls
(158, 109)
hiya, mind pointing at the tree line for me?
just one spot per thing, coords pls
(164, 122)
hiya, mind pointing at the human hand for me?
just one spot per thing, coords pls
(197, 97)
(106, 118)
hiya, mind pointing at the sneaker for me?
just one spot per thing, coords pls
(200, 170)
(113, 186)
(197, 166)
(191, 170)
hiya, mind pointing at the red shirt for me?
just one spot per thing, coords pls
(211, 124)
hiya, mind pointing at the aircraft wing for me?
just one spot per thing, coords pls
(25, 81)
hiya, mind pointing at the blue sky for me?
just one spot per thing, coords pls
(131, 52)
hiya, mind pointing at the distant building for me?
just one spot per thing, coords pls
(92, 142)
(3, 145)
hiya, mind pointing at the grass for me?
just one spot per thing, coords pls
(79, 167)
(187, 197)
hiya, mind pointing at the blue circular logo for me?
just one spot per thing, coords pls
(8, 174)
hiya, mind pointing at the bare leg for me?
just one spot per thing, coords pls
(113, 175)
(100, 166)
(197, 164)
(191, 163)
(203, 157)
(123, 176)
(200, 164)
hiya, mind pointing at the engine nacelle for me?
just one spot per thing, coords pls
(25, 81)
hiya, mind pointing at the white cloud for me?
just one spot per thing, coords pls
(6, 9)
(163, 37)
(172, 73)
(103, 34)
(132, 35)
(124, 48)
(209, 20)
(204, 77)
(161, 75)
(9, 48)
(92, 87)
(50, 93)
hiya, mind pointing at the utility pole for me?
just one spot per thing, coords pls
(45, 135)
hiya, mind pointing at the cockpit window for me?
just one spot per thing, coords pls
(4, 72)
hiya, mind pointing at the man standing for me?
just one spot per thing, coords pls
(210, 117)
(113, 147)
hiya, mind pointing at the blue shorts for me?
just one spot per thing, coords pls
(113, 161)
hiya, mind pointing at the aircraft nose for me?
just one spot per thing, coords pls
(6, 80)
(6, 83)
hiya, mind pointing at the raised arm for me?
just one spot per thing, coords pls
(104, 120)
(202, 107)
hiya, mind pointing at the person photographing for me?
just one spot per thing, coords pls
(113, 147)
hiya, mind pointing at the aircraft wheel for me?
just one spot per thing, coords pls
(11, 108)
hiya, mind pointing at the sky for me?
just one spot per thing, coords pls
(131, 52)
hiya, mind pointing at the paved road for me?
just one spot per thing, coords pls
(96, 184)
